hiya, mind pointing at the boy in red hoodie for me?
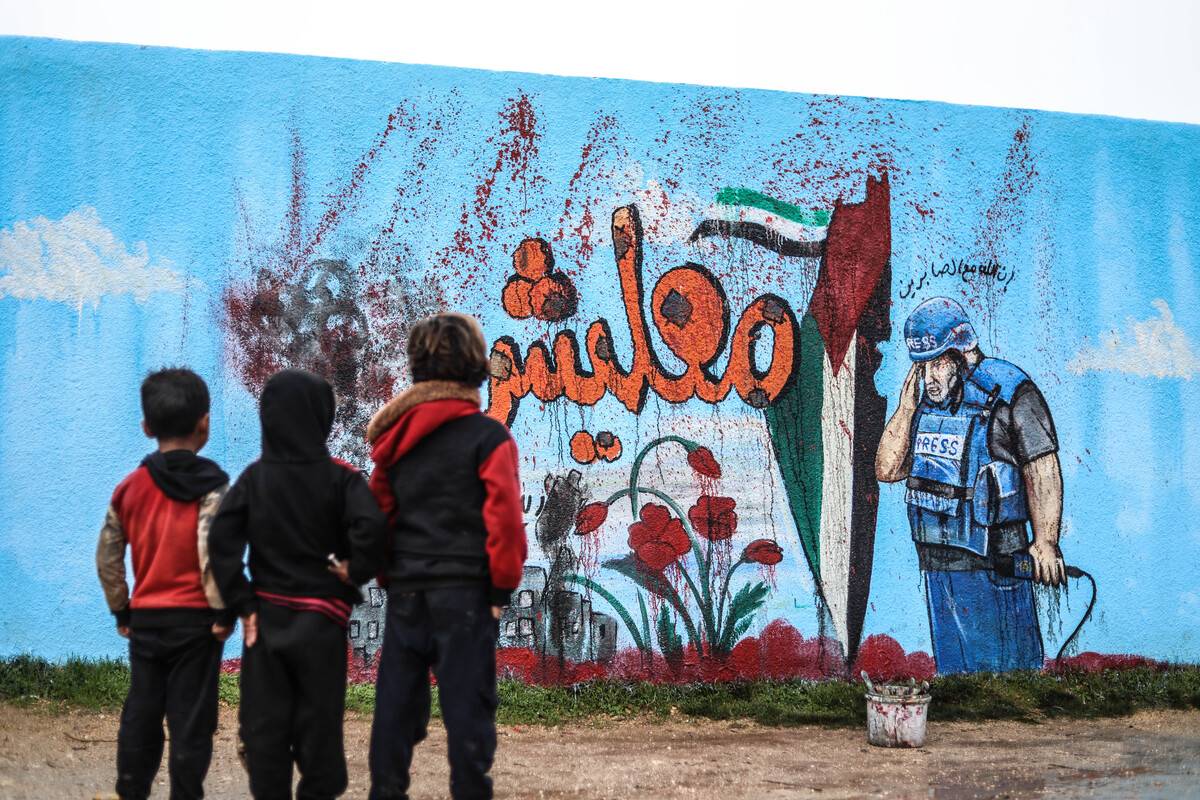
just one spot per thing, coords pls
(174, 621)
(446, 476)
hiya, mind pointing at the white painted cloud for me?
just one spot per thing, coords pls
(77, 260)
(1151, 348)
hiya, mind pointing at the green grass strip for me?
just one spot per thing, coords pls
(815, 218)
(1025, 696)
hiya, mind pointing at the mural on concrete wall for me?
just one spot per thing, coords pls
(801, 384)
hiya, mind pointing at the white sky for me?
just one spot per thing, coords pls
(1137, 58)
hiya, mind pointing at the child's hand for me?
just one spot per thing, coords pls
(341, 569)
(250, 629)
(123, 631)
(496, 612)
(221, 632)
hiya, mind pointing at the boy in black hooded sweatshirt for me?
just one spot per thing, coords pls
(174, 621)
(295, 507)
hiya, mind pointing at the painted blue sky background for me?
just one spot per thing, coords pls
(191, 154)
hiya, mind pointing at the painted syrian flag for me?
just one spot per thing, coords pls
(826, 425)
(784, 228)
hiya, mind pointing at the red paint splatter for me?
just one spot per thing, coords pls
(1005, 218)
(516, 151)
(1005, 213)
(295, 310)
(598, 160)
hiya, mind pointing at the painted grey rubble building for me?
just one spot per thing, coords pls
(583, 634)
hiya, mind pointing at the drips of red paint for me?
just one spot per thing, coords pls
(1004, 214)
(516, 153)
(599, 148)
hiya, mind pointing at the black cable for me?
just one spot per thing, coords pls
(1021, 565)
(1076, 572)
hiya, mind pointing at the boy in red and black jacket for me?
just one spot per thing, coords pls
(315, 535)
(175, 620)
(446, 476)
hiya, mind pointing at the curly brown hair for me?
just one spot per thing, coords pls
(448, 347)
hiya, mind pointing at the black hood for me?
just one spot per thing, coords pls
(183, 475)
(297, 415)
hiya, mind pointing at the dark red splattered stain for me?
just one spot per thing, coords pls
(926, 213)
(598, 160)
(396, 291)
(516, 151)
(1005, 217)
(1005, 213)
(338, 320)
(819, 163)
(336, 204)
(295, 212)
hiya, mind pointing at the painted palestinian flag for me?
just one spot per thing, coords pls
(746, 214)
(826, 425)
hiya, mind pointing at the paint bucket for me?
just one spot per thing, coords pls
(896, 716)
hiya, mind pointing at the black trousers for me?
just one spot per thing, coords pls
(450, 630)
(293, 698)
(172, 673)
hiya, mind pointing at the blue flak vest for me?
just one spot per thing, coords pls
(957, 490)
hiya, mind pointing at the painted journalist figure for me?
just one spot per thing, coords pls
(973, 439)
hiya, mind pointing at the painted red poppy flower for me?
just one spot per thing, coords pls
(657, 538)
(701, 459)
(763, 551)
(590, 517)
(713, 517)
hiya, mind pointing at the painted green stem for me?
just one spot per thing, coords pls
(583, 580)
(645, 617)
(722, 622)
(637, 464)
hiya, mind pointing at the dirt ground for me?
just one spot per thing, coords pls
(49, 755)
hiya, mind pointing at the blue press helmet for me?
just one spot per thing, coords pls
(937, 325)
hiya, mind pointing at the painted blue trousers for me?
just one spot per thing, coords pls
(980, 621)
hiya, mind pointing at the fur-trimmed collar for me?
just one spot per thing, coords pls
(422, 392)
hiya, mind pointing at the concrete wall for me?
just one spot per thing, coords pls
(714, 280)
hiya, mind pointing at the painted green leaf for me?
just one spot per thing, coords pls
(653, 582)
(669, 641)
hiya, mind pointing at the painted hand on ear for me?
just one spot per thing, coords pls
(910, 395)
